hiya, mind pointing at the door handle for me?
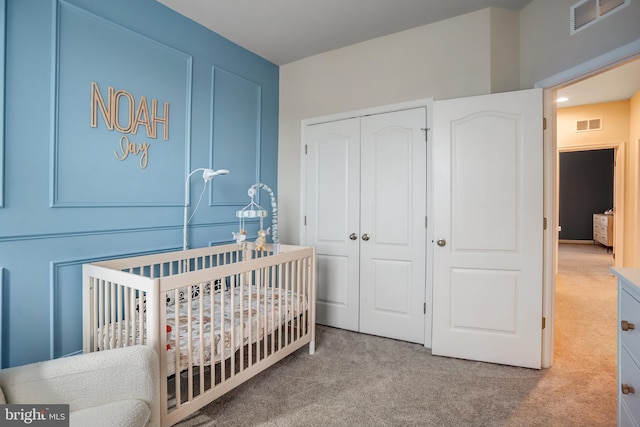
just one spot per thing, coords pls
(365, 237)
(353, 236)
(627, 389)
(626, 326)
(441, 242)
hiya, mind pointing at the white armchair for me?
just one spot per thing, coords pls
(106, 388)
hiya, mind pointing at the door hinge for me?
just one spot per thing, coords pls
(305, 220)
(544, 322)
(424, 308)
(544, 223)
(305, 148)
(426, 134)
(426, 222)
(544, 123)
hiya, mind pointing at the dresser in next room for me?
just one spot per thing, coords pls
(603, 229)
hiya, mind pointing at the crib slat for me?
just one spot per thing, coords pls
(141, 322)
(299, 284)
(261, 329)
(118, 314)
(113, 326)
(263, 312)
(290, 322)
(284, 317)
(128, 335)
(275, 308)
(212, 344)
(104, 310)
(232, 305)
(189, 348)
(243, 279)
(295, 285)
(135, 331)
(250, 317)
(201, 336)
(293, 295)
(282, 322)
(287, 308)
(305, 288)
(177, 347)
(103, 326)
(97, 314)
(107, 313)
(221, 344)
(269, 302)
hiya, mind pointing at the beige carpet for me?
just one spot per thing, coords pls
(361, 380)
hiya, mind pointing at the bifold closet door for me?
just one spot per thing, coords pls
(365, 214)
(333, 218)
(393, 209)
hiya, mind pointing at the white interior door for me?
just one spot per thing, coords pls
(333, 206)
(392, 224)
(488, 222)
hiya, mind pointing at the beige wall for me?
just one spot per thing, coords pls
(634, 113)
(547, 48)
(615, 121)
(447, 59)
(633, 181)
(505, 50)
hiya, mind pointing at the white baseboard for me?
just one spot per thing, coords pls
(579, 242)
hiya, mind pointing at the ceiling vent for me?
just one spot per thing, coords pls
(588, 12)
(588, 125)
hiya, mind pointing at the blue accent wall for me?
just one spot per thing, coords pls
(92, 163)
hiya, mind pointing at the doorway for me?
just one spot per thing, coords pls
(553, 86)
(587, 196)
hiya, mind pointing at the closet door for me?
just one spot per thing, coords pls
(392, 224)
(332, 218)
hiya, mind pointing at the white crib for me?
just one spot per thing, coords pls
(217, 315)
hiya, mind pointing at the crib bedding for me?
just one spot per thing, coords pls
(250, 314)
(254, 313)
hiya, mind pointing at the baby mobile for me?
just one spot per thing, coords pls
(254, 210)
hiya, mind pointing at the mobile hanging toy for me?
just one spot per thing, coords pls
(254, 210)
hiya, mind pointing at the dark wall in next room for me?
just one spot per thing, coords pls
(586, 187)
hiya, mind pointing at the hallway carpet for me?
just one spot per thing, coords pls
(362, 380)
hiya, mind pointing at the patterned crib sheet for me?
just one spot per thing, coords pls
(248, 318)
(250, 315)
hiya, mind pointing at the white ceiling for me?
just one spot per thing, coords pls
(614, 85)
(283, 31)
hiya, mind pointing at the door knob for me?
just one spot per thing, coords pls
(627, 389)
(365, 237)
(627, 326)
(441, 242)
(353, 236)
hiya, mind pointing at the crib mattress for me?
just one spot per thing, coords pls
(250, 315)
